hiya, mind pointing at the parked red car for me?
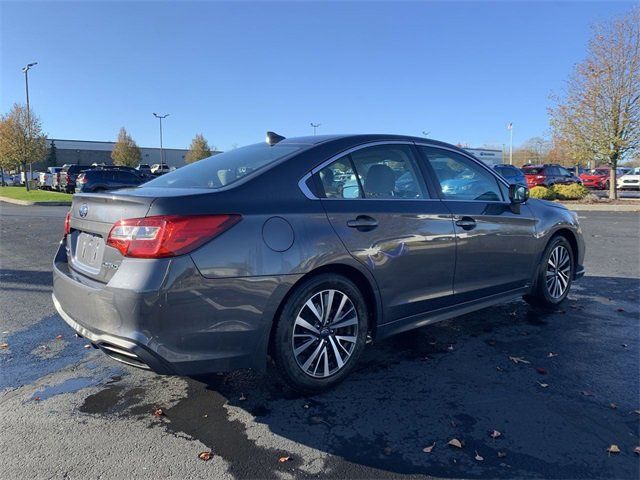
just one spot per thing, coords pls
(548, 175)
(599, 177)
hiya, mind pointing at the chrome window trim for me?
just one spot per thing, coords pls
(307, 193)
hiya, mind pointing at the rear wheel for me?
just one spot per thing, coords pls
(320, 334)
(555, 274)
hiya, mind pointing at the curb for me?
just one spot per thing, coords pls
(601, 208)
(39, 204)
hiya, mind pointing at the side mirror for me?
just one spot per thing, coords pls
(518, 193)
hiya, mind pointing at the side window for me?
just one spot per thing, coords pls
(339, 180)
(388, 172)
(564, 172)
(461, 178)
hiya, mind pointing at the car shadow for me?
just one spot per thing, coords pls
(559, 386)
(29, 277)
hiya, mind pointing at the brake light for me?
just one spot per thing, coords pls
(167, 235)
(540, 177)
(67, 224)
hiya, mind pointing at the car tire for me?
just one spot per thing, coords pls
(554, 275)
(327, 343)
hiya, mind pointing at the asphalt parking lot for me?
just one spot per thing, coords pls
(560, 387)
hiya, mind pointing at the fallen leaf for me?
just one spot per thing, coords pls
(637, 450)
(205, 415)
(551, 355)
(58, 337)
(502, 454)
(495, 434)
(613, 449)
(284, 459)
(500, 369)
(206, 456)
(543, 385)
(478, 457)
(306, 405)
(37, 399)
(4, 346)
(586, 393)
(450, 347)
(613, 405)
(157, 412)
(517, 360)
(619, 309)
(429, 448)
(624, 345)
(77, 335)
(87, 346)
(242, 397)
(541, 371)
(454, 442)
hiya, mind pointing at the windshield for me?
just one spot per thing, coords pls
(225, 168)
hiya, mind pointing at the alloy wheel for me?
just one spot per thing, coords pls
(558, 271)
(325, 333)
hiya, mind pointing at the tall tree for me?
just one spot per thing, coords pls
(125, 151)
(21, 139)
(52, 156)
(598, 116)
(198, 149)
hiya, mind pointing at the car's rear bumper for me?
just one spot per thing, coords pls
(164, 316)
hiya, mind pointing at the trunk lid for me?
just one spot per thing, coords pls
(92, 217)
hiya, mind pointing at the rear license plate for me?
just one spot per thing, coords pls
(89, 251)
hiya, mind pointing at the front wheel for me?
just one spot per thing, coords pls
(320, 334)
(555, 274)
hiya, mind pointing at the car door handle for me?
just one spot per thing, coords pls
(363, 223)
(467, 223)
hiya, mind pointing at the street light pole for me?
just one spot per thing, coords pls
(160, 117)
(315, 126)
(510, 128)
(26, 86)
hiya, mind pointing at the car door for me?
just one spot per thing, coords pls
(378, 204)
(495, 245)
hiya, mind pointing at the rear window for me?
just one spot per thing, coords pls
(533, 170)
(225, 168)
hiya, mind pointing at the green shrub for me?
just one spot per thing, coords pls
(572, 191)
(543, 193)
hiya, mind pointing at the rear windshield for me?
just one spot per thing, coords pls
(224, 168)
(533, 170)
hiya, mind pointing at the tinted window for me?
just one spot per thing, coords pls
(460, 177)
(388, 172)
(533, 170)
(224, 168)
(564, 171)
(339, 180)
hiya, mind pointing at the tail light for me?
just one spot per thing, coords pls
(167, 235)
(67, 224)
(82, 178)
(539, 177)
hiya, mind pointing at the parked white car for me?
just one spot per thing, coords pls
(158, 169)
(46, 179)
(629, 181)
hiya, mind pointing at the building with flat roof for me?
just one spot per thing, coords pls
(87, 152)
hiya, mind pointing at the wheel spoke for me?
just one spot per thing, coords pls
(304, 324)
(313, 308)
(304, 346)
(346, 339)
(327, 311)
(312, 357)
(346, 323)
(336, 352)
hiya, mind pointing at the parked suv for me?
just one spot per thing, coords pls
(512, 174)
(548, 175)
(102, 179)
(68, 177)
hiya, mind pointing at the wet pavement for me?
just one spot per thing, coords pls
(559, 386)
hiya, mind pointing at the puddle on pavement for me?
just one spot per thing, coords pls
(68, 386)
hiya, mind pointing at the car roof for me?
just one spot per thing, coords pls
(363, 138)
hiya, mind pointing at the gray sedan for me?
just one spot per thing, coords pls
(301, 250)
